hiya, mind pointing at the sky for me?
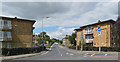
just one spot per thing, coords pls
(64, 17)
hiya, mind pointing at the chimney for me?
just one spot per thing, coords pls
(15, 17)
(99, 21)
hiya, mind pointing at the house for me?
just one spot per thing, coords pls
(35, 37)
(88, 34)
(16, 32)
(66, 41)
(118, 29)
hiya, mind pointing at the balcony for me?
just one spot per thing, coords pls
(89, 41)
(6, 39)
(5, 25)
(88, 32)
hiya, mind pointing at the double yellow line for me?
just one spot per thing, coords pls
(45, 53)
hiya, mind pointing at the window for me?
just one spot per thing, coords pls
(5, 34)
(91, 28)
(118, 36)
(89, 36)
(5, 23)
(111, 25)
(81, 37)
(112, 35)
(1, 35)
(8, 45)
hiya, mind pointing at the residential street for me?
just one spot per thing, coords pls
(61, 53)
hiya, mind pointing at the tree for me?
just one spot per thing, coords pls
(43, 37)
(83, 43)
(72, 38)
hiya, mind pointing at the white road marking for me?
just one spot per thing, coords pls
(71, 54)
(105, 54)
(93, 54)
(59, 51)
(86, 53)
(61, 54)
(67, 53)
(84, 56)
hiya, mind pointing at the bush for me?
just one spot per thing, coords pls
(47, 46)
(97, 48)
(17, 51)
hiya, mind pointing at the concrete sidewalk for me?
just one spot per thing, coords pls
(21, 56)
(79, 51)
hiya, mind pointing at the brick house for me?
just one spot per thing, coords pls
(118, 29)
(35, 37)
(66, 41)
(15, 32)
(89, 34)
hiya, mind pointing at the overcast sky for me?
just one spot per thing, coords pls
(64, 16)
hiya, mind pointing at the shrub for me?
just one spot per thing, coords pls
(47, 46)
(17, 51)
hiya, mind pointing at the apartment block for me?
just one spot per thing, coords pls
(89, 34)
(15, 32)
(118, 28)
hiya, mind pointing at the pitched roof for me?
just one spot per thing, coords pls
(18, 19)
(112, 21)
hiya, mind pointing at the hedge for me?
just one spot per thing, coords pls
(117, 49)
(17, 51)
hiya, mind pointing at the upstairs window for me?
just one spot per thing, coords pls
(111, 25)
(118, 36)
(5, 23)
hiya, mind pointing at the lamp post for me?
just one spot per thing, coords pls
(43, 42)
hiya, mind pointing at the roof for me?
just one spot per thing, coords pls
(112, 21)
(66, 37)
(18, 19)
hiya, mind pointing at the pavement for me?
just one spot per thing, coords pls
(58, 52)
(78, 51)
(25, 55)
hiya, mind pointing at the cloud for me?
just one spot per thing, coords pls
(61, 33)
(62, 14)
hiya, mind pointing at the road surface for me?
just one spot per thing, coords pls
(58, 52)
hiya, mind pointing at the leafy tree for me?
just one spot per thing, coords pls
(72, 38)
(46, 38)
(43, 37)
(83, 43)
(60, 41)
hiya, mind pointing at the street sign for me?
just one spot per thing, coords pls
(99, 28)
(99, 33)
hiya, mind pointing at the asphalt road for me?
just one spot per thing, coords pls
(58, 52)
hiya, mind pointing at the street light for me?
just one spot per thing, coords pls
(42, 32)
